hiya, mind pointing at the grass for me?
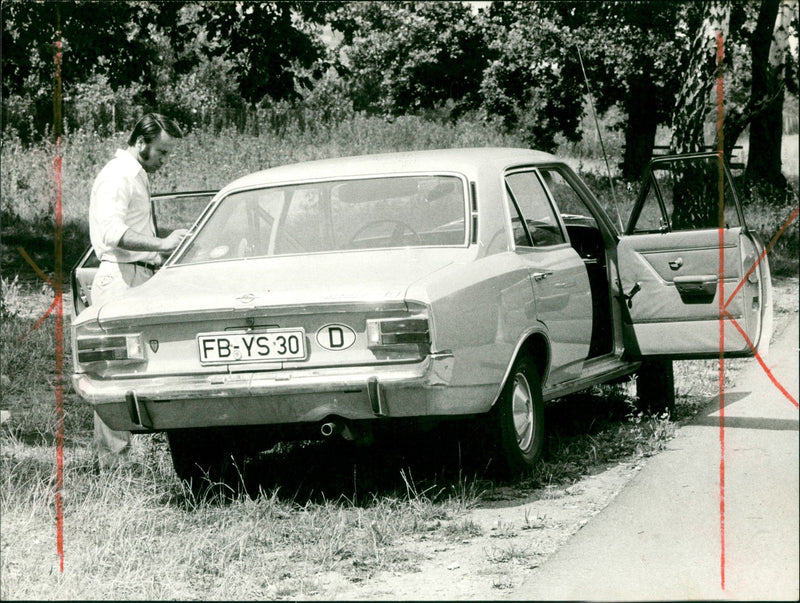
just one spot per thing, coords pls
(318, 509)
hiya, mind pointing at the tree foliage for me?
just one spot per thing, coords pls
(515, 64)
(533, 81)
(145, 50)
(272, 46)
(409, 56)
(628, 49)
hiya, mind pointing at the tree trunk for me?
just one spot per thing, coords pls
(707, 19)
(640, 130)
(766, 126)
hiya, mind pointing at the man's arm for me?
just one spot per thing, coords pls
(110, 221)
(136, 241)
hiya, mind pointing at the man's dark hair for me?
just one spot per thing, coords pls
(150, 126)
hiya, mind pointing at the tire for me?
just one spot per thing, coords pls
(655, 387)
(518, 420)
(203, 459)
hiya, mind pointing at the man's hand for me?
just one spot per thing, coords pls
(169, 243)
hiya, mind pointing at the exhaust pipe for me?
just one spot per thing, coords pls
(329, 428)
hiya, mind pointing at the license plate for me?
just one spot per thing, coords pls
(272, 345)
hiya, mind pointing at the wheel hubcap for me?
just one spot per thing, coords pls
(522, 409)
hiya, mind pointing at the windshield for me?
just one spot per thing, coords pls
(343, 215)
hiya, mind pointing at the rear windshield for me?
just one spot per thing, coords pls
(343, 215)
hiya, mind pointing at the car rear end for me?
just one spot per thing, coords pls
(291, 364)
(288, 306)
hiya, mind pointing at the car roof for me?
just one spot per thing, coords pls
(467, 160)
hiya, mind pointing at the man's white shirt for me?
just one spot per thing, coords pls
(120, 200)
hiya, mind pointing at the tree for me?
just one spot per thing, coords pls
(771, 59)
(270, 49)
(629, 52)
(706, 22)
(272, 45)
(533, 80)
(403, 57)
(111, 38)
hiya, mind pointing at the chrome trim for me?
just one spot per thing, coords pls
(263, 311)
(433, 372)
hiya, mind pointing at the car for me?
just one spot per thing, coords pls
(345, 295)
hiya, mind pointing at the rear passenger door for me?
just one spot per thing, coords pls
(172, 210)
(558, 277)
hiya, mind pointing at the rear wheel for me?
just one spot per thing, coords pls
(655, 386)
(518, 419)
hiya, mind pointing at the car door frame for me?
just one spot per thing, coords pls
(548, 276)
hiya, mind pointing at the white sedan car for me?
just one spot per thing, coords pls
(336, 296)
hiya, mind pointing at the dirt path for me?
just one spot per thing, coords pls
(516, 534)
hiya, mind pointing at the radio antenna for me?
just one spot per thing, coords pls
(600, 137)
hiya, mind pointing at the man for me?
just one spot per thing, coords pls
(123, 233)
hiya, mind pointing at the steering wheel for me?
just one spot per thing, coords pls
(397, 234)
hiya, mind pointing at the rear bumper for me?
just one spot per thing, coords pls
(271, 398)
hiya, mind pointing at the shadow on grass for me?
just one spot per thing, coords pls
(37, 238)
(407, 462)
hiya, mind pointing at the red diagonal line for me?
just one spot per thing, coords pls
(42, 319)
(36, 268)
(763, 255)
(772, 378)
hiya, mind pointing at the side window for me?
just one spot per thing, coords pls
(651, 218)
(689, 190)
(521, 237)
(179, 211)
(566, 198)
(533, 203)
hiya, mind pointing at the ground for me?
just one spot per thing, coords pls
(324, 533)
(517, 533)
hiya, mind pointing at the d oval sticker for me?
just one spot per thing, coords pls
(336, 337)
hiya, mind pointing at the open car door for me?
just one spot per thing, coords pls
(688, 264)
(173, 210)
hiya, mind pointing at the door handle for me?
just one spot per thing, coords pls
(676, 263)
(540, 276)
(634, 290)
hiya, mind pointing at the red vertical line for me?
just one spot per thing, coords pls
(721, 231)
(59, 299)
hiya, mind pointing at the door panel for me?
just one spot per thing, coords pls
(563, 303)
(558, 276)
(677, 283)
(676, 310)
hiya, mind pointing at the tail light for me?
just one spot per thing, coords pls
(397, 332)
(110, 348)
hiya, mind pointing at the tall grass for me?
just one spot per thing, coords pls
(209, 159)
